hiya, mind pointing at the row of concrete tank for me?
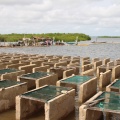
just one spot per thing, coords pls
(56, 83)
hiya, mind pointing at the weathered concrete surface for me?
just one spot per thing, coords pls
(95, 60)
(105, 61)
(85, 58)
(53, 59)
(90, 72)
(84, 90)
(109, 88)
(87, 90)
(59, 83)
(75, 60)
(68, 73)
(105, 79)
(51, 64)
(26, 107)
(100, 69)
(37, 62)
(86, 62)
(3, 65)
(55, 109)
(16, 66)
(12, 75)
(60, 64)
(87, 67)
(48, 80)
(57, 71)
(60, 106)
(27, 68)
(116, 72)
(86, 114)
(96, 64)
(41, 69)
(7, 95)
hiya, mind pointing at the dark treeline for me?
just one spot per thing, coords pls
(67, 37)
(108, 36)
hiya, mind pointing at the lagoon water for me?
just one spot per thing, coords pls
(111, 49)
(103, 50)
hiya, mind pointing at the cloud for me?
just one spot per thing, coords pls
(59, 15)
(19, 2)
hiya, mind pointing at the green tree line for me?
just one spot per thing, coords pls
(67, 37)
(108, 36)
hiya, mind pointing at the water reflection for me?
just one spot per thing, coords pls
(10, 115)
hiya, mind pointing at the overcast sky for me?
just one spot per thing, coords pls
(92, 17)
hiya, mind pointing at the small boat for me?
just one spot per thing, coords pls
(71, 43)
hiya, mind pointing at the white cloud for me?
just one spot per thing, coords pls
(59, 16)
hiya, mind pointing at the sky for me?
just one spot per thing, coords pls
(91, 17)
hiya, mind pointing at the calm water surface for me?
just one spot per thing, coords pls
(111, 49)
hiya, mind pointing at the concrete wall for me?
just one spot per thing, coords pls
(87, 67)
(74, 64)
(116, 72)
(12, 75)
(59, 83)
(58, 71)
(44, 59)
(60, 106)
(41, 68)
(27, 62)
(37, 62)
(85, 58)
(84, 90)
(26, 107)
(54, 109)
(100, 69)
(105, 79)
(7, 95)
(90, 72)
(117, 62)
(3, 65)
(14, 61)
(30, 82)
(87, 90)
(68, 73)
(77, 57)
(66, 57)
(16, 66)
(27, 68)
(105, 61)
(60, 64)
(51, 64)
(65, 60)
(95, 60)
(96, 64)
(109, 88)
(53, 60)
(110, 63)
(86, 114)
(49, 56)
(48, 80)
(76, 69)
(85, 62)
(75, 60)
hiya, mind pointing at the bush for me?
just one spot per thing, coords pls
(66, 37)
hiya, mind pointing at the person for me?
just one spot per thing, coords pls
(58, 42)
(76, 42)
(51, 42)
